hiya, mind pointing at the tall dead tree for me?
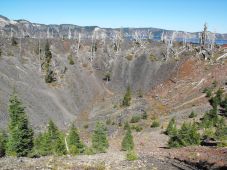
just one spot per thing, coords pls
(204, 35)
(118, 38)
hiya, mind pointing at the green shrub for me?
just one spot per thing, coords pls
(209, 119)
(135, 119)
(126, 126)
(49, 77)
(155, 123)
(152, 58)
(192, 115)
(108, 121)
(85, 126)
(131, 155)
(127, 142)
(127, 98)
(3, 140)
(89, 151)
(73, 150)
(221, 130)
(171, 128)
(186, 136)
(70, 59)
(107, 76)
(224, 106)
(208, 133)
(208, 92)
(99, 138)
(137, 128)
(144, 115)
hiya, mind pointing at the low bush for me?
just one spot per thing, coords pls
(137, 128)
(144, 115)
(135, 119)
(155, 123)
(131, 155)
(192, 115)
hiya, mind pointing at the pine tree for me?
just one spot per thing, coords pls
(127, 97)
(52, 131)
(171, 128)
(43, 145)
(127, 142)
(59, 145)
(48, 54)
(224, 106)
(56, 139)
(49, 74)
(3, 139)
(50, 142)
(20, 140)
(186, 136)
(74, 141)
(99, 138)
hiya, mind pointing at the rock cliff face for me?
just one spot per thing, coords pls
(87, 63)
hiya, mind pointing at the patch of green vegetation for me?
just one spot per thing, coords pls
(171, 128)
(89, 151)
(152, 58)
(208, 92)
(46, 66)
(187, 135)
(131, 155)
(107, 76)
(127, 98)
(3, 141)
(127, 142)
(212, 123)
(136, 128)
(96, 166)
(155, 123)
(70, 59)
(108, 121)
(50, 142)
(144, 115)
(99, 138)
(85, 126)
(20, 138)
(192, 115)
(126, 126)
(74, 142)
(50, 76)
(135, 119)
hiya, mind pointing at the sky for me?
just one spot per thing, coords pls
(185, 15)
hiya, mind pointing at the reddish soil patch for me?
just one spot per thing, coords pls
(186, 68)
(215, 158)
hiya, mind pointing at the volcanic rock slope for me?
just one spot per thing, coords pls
(95, 53)
(92, 68)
